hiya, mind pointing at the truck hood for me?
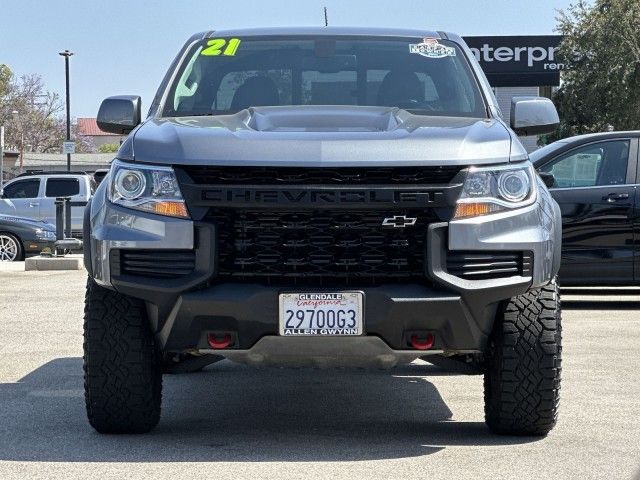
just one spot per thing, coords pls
(323, 136)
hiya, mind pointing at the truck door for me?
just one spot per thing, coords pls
(21, 198)
(595, 188)
(636, 218)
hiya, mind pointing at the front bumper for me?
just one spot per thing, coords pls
(358, 352)
(36, 246)
(459, 312)
(390, 311)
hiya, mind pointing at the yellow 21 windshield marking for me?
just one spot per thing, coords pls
(220, 46)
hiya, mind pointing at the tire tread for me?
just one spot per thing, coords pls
(122, 369)
(522, 380)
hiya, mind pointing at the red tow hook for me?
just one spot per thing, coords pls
(218, 344)
(422, 343)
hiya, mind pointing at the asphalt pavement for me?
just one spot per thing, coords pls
(232, 421)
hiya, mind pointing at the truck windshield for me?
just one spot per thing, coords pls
(425, 76)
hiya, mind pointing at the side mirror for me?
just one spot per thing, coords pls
(533, 116)
(548, 179)
(120, 114)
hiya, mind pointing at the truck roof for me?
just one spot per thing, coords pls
(35, 173)
(329, 31)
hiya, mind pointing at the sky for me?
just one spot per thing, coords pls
(124, 47)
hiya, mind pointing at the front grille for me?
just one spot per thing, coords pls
(212, 175)
(319, 245)
(473, 265)
(154, 263)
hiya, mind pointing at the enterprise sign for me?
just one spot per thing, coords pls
(518, 61)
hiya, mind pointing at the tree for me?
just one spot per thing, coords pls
(108, 148)
(601, 81)
(39, 121)
(5, 78)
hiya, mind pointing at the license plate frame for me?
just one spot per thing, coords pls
(317, 325)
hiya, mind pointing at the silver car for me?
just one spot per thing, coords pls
(33, 196)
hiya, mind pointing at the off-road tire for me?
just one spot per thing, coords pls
(122, 367)
(522, 378)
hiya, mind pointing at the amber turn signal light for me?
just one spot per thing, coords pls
(172, 209)
(464, 210)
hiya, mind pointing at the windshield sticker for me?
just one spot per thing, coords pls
(430, 48)
(220, 46)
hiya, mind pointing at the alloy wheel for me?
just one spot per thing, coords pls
(8, 249)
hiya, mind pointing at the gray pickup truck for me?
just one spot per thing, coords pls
(323, 197)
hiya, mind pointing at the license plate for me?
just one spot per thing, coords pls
(321, 313)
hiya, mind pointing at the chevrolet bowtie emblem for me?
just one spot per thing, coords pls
(399, 221)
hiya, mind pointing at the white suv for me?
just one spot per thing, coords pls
(33, 196)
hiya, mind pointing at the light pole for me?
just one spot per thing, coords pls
(16, 116)
(66, 54)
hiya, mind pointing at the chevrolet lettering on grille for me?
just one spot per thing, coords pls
(325, 196)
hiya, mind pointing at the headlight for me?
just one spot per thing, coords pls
(514, 186)
(494, 189)
(45, 234)
(130, 184)
(148, 188)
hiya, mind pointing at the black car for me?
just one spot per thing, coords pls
(20, 236)
(593, 178)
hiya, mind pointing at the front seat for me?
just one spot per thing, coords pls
(614, 167)
(400, 88)
(257, 91)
